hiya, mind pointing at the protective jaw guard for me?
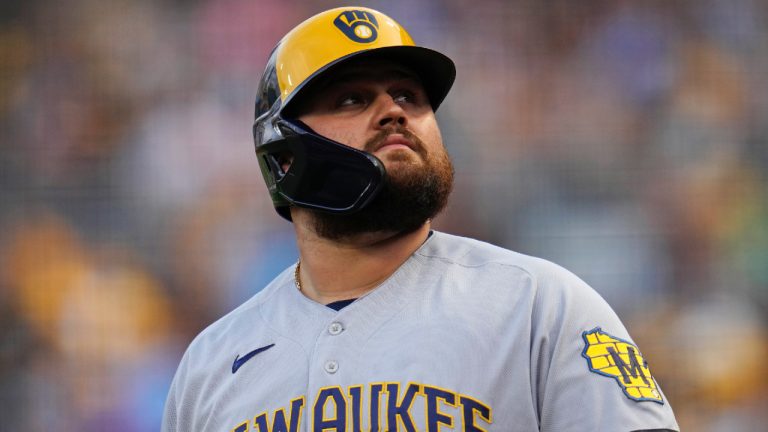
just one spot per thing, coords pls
(324, 175)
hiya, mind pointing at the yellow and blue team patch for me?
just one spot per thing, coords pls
(616, 358)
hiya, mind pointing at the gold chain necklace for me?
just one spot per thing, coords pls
(296, 277)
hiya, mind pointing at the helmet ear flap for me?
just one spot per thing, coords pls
(307, 170)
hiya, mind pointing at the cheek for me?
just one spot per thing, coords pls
(336, 130)
(430, 135)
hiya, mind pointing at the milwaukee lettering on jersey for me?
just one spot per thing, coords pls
(379, 407)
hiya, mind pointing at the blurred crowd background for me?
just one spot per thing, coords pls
(624, 140)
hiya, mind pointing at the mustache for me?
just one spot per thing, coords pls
(376, 141)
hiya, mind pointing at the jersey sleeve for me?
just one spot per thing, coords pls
(178, 399)
(170, 413)
(587, 371)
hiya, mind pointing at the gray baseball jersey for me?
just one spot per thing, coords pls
(463, 336)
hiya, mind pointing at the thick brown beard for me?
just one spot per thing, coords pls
(412, 193)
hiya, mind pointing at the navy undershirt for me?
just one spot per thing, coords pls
(341, 304)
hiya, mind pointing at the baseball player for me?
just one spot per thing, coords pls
(385, 324)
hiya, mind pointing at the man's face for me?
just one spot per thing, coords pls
(382, 108)
(375, 106)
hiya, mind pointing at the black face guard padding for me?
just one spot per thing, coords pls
(324, 175)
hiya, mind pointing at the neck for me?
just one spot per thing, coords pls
(339, 270)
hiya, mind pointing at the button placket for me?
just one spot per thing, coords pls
(331, 366)
(335, 328)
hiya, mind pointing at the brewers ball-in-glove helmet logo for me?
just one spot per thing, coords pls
(616, 358)
(326, 175)
(358, 25)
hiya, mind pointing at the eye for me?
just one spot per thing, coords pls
(403, 97)
(349, 100)
(411, 93)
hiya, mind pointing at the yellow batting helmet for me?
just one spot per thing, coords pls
(326, 175)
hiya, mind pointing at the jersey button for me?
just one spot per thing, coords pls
(335, 328)
(331, 366)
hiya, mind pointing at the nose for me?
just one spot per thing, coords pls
(391, 113)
